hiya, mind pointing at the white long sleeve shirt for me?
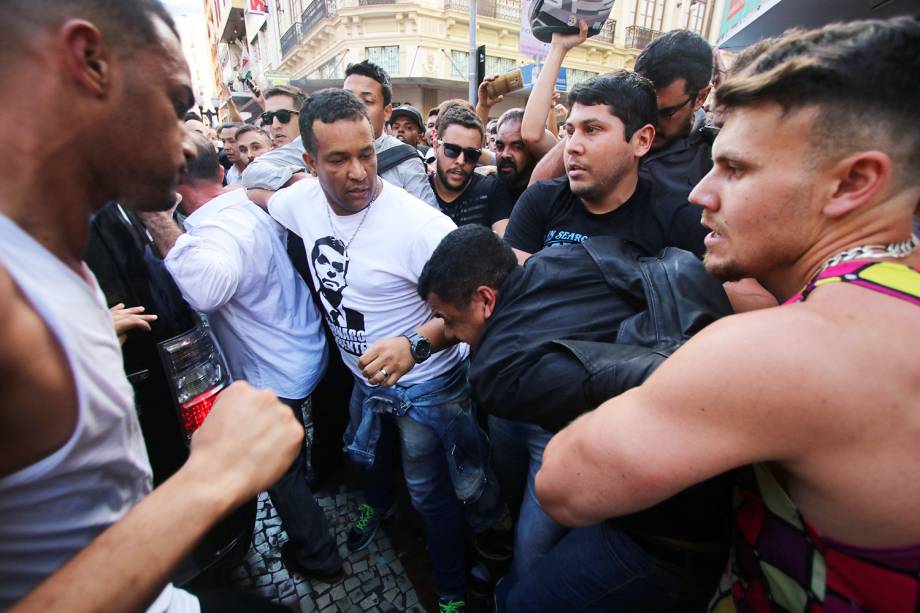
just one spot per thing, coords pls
(232, 264)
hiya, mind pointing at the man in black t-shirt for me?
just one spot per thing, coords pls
(610, 128)
(514, 161)
(463, 195)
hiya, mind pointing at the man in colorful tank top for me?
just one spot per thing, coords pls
(813, 404)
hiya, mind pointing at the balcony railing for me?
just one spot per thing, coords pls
(507, 10)
(638, 37)
(317, 11)
(607, 32)
(372, 2)
(290, 39)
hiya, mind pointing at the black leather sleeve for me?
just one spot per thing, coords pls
(570, 378)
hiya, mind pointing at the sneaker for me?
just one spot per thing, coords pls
(294, 567)
(480, 582)
(366, 526)
(451, 606)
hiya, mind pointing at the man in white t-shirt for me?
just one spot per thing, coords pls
(367, 242)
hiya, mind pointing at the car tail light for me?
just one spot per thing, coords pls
(196, 369)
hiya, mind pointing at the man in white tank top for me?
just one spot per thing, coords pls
(79, 527)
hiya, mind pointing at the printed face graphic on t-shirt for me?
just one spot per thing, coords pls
(330, 267)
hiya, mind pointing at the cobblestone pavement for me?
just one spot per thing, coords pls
(375, 579)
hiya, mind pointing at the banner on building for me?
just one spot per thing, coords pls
(736, 10)
(258, 6)
(529, 45)
(530, 72)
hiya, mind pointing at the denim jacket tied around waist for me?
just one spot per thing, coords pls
(444, 405)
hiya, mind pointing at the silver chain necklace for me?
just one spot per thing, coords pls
(367, 209)
(874, 252)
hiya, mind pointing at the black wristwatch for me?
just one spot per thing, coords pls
(419, 346)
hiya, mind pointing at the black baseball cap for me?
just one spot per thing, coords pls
(409, 111)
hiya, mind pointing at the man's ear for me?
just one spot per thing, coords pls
(642, 139)
(857, 180)
(387, 111)
(311, 164)
(487, 296)
(701, 98)
(86, 56)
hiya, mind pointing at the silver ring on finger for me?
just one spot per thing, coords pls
(383, 371)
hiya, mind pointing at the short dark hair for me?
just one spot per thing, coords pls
(678, 54)
(287, 90)
(515, 115)
(204, 166)
(191, 116)
(329, 241)
(434, 111)
(461, 116)
(246, 129)
(453, 275)
(629, 96)
(328, 106)
(367, 68)
(228, 126)
(862, 75)
(124, 24)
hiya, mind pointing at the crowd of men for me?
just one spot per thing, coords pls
(570, 338)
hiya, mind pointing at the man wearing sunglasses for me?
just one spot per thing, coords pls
(679, 65)
(465, 196)
(282, 104)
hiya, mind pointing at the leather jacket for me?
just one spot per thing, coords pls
(549, 377)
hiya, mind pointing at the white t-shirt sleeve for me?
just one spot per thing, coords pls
(279, 207)
(427, 239)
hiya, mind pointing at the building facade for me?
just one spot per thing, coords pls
(424, 44)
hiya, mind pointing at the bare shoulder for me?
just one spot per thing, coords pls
(38, 405)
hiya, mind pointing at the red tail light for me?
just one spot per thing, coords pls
(196, 369)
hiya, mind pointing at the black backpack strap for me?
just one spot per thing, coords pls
(395, 156)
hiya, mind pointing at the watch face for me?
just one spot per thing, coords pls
(422, 349)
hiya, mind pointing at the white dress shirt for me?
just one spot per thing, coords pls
(232, 264)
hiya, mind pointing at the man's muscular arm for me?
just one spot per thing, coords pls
(127, 565)
(712, 406)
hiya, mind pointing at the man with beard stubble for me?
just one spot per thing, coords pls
(463, 195)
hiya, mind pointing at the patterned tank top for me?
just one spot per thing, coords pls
(779, 561)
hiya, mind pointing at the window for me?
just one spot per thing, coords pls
(575, 76)
(328, 70)
(460, 64)
(649, 14)
(499, 65)
(696, 15)
(385, 57)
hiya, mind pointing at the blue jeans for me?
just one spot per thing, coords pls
(600, 568)
(517, 453)
(437, 477)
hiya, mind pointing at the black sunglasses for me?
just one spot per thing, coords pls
(470, 155)
(283, 116)
(670, 111)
